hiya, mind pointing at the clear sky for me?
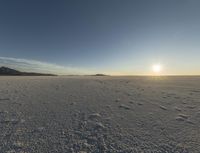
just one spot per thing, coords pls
(101, 36)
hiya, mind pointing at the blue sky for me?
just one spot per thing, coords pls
(101, 36)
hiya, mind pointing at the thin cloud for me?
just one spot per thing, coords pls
(40, 67)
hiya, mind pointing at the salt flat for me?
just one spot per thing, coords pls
(99, 114)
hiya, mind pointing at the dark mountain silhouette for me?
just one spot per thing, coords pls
(9, 71)
(100, 75)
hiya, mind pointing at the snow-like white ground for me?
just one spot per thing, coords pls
(99, 114)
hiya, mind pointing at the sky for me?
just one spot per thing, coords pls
(119, 37)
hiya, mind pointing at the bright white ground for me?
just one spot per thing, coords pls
(99, 114)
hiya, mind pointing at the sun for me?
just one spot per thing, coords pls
(156, 68)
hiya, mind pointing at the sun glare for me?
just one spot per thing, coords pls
(156, 68)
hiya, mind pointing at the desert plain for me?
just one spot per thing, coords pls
(99, 114)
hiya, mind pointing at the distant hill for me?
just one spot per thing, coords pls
(9, 71)
(99, 75)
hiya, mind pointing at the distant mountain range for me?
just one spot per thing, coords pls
(9, 71)
(100, 75)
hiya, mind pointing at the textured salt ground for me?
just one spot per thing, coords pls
(99, 114)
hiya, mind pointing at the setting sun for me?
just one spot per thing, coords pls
(157, 68)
